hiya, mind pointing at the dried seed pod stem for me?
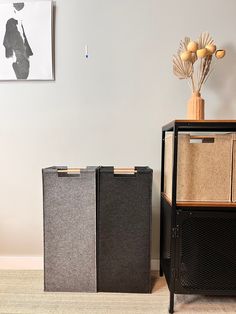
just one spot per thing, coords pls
(193, 84)
(205, 71)
(208, 75)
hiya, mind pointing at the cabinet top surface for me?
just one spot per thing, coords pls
(222, 124)
(202, 121)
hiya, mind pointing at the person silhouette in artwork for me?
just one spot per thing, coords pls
(17, 45)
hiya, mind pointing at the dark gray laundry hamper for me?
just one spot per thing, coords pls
(69, 229)
(124, 230)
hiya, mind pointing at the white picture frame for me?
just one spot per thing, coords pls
(26, 40)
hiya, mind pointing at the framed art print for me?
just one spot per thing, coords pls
(26, 40)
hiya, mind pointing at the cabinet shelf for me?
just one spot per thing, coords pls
(199, 204)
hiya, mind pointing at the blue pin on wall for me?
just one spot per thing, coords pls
(86, 52)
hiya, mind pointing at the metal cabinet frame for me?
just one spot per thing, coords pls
(172, 211)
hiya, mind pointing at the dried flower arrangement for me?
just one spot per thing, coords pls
(189, 53)
(193, 62)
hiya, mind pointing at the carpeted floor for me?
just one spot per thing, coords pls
(21, 292)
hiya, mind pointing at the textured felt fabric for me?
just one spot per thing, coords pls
(70, 230)
(124, 231)
(204, 168)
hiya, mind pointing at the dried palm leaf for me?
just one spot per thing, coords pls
(204, 40)
(183, 45)
(182, 69)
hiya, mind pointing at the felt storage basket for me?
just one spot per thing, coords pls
(69, 202)
(124, 230)
(204, 167)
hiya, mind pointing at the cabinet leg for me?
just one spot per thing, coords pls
(161, 271)
(172, 299)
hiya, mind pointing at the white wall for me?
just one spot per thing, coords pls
(108, 109)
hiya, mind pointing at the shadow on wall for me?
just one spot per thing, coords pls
(223, 82)
(156, 214)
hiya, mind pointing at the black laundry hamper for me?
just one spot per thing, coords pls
(124, 230)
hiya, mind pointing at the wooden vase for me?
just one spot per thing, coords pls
(196, 107)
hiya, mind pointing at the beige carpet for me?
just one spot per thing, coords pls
(22, 292)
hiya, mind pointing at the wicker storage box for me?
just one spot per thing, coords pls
(69, 202)
(204, 167)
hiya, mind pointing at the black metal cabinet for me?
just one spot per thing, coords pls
(198, 240)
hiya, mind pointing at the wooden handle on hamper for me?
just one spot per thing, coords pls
(69, 170)
(124, 171)
(116, 170)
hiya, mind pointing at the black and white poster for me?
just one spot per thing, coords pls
(26, 40)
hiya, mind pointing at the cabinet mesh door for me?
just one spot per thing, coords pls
(124, 230)
(69, 230)
(208, 252)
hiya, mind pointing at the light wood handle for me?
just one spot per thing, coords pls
(200, 137)
(123, 168)
(70, 170)
(116, 170)
(124, 171)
